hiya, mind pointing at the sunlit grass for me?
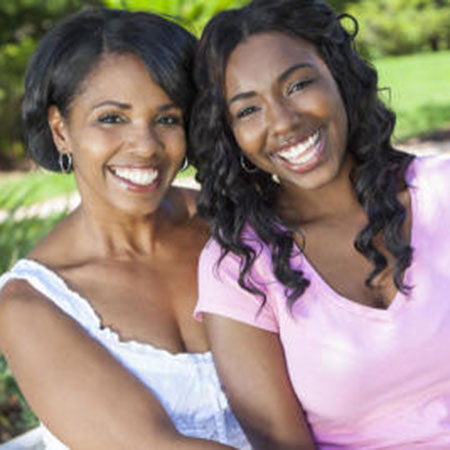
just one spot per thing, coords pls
(419, 91)
(34, 187)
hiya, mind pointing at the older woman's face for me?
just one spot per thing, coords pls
(126, 137)
(285, 109)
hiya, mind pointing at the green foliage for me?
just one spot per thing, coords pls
(396, 27)
(14, 415)
(22, 24)
(195, 13)
(341, 5)
(34, 187)
(419, 91)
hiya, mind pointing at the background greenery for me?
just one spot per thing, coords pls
(407, 40)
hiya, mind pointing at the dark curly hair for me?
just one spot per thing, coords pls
(232, 198)
(71, 50)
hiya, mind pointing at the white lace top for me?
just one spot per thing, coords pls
(186, 384)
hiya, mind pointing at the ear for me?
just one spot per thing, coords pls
(58, 127)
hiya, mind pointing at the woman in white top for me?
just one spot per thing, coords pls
(96, 321)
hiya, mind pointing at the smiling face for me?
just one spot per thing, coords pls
(285, 110)
(125, 134)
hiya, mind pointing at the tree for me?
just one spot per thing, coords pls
(22, 24)
(394, 27)
(194, 13)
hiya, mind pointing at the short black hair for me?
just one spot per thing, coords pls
(231, 198)
(71, 50)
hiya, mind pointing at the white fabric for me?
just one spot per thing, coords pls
(186, 384)
(31, 440)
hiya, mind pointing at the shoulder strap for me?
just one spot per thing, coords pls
(52, 286)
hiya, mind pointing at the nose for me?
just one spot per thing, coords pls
(145, 141)
(282, 116)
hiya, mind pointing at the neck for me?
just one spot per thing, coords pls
(113, 234)
(298, 206)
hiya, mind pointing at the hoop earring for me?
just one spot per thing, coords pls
(185, 165)
(65, 165)
(245, 165)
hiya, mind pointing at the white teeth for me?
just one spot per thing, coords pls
(142, 177)
(299, 153)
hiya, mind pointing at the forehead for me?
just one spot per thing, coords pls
(120, 77)
(265, 56)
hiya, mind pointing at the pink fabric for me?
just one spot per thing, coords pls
(367, 378)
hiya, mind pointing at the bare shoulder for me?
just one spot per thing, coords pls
(18, 294)
(22, 307)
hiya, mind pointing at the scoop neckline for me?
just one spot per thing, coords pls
(107, 332)
(352, 306)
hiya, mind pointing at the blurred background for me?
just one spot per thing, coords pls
(407, 40)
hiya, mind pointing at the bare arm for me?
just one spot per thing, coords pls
(85, 397)
(251, 365)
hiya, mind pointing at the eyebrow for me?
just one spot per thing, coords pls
(112, 103)
(121, 105)
(282, 77)
(292, 69)
(241, 96)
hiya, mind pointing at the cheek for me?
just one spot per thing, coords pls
(249, 135)
(98, 142)
(341, 119)
(175, 144)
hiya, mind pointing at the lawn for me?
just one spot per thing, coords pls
(419, 91)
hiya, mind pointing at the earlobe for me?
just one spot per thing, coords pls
(57, 124)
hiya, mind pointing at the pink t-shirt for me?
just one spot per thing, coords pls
(367, 378)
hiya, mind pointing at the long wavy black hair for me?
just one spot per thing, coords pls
(231, 198)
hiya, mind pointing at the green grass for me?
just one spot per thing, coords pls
(419, 91)
(34, 187)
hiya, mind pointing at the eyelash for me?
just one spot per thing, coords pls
(292, 88)
(245, 112)
(114, 119)
(298, 86)
(111, 118)
(169, 120)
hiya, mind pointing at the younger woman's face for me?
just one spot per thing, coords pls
(285, 109)
(125, 134)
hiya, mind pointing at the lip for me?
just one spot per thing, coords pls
(129, 185)
(312, 156)
(295, 140)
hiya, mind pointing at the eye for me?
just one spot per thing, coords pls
(111, 118)
(245, 112)
(169, 119)
(298, 86)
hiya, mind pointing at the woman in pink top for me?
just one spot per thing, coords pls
(327, 283)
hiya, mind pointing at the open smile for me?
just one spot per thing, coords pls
(304, 154)
(139, 179)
